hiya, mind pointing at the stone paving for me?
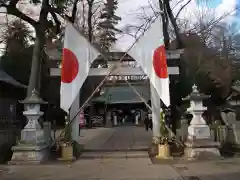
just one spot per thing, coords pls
(119, 142)
(121, 168)
(120, 138)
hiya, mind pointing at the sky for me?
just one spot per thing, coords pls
(129, 9)
(211, 3)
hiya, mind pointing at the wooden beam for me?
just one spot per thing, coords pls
(122, 71)
(171, 54)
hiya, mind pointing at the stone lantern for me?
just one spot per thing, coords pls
(32, 146)
(199, 142)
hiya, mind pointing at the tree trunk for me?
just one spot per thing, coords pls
(165, 22)
(36, 64)
(90, 14)
(180, 44)
(174, 23)
(74, 11)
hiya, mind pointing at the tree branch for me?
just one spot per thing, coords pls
(180, 10)
(13, 2)
(58, 23)
(177, 4)
(96, 9)
(13, 10)
(174, 23)
(43, 15)
(165, 22)
(74, 11)
(210, 25)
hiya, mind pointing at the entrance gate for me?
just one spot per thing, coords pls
(173, 61)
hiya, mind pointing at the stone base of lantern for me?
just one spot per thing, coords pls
(200, 149)
(26, 154)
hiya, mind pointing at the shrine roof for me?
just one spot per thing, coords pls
(4, 77)
(123, 94)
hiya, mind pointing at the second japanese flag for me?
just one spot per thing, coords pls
(149, 52)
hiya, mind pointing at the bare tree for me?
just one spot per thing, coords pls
(166, 12)
(87, 17)
(143, 19)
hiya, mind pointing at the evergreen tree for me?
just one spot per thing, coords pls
(16, 37)
(106, 26)
(46, 22)
(16, 60)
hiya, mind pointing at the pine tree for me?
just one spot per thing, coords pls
(106, 27)
(16, 37)
(47, 21)
(16, 60)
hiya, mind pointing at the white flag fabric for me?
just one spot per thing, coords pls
(78, 55)
(149, 52)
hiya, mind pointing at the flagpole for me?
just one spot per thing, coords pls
(156, 107)
(155, 104)
(72, 121)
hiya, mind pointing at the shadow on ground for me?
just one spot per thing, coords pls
(219, 176)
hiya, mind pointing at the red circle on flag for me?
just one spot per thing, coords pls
(160, 62)
(70, 66)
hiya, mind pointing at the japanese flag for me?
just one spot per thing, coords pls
(78, 55)
(149, 52)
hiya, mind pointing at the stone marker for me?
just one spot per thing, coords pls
(47, 132)
(108, 119)
(236, 134)
(228, 116)
(232, 126)
(184, 129)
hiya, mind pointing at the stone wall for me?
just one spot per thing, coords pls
(8, 138)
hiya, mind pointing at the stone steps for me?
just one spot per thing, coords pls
(114, 155)
(137, 149)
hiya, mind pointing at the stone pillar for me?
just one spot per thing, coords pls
(142, 116)
(123, 120)
(115, 120)
(108, 119)
(155, 103)
(232, 127)
(199, 143)
(32, 147)
(75, 121)
(184, 129)
(229, 117)
(114, 115)
(47, 132)
(136, 119)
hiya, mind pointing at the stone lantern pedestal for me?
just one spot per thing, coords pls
(32, 147)
(199, 143)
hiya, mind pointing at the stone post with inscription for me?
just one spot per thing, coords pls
(232, 128)
(108, 119)
(199, 143)
(115, 120)
(137, 119)
(32, 147)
